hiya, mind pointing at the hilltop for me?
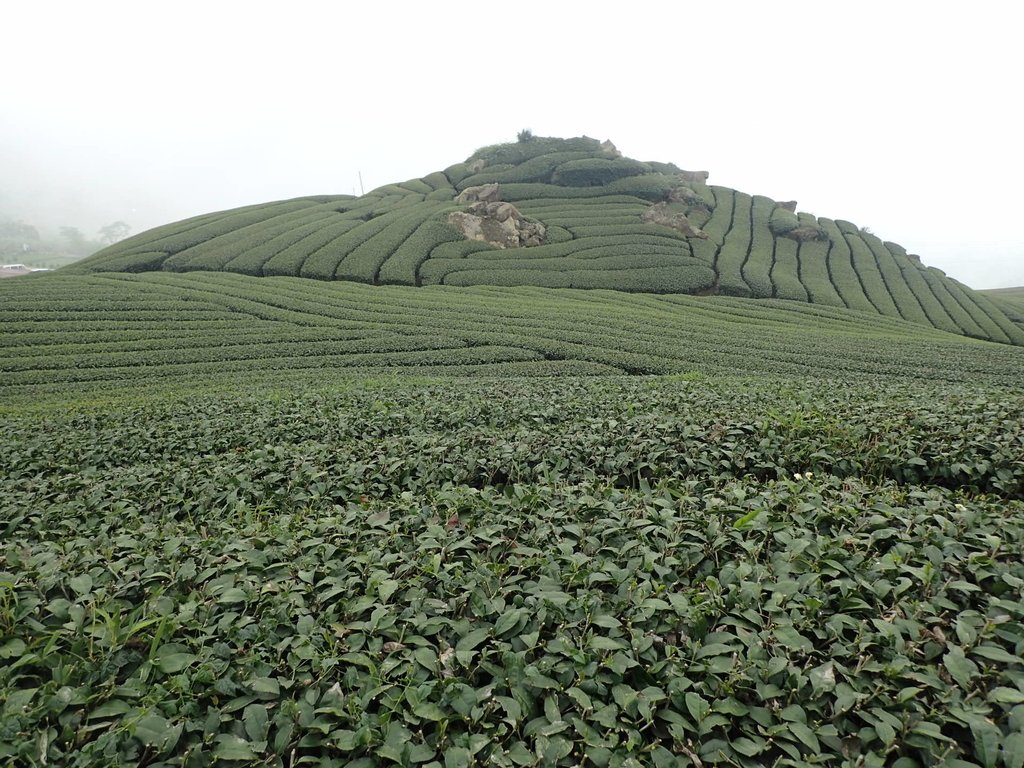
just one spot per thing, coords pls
(569, 213)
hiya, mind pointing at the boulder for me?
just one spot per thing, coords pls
(701, 177)
(487, 193)
(806, 233)
(789, 205)
(500, 224)
(687, 196)
(477, 165)
(609, 149)
(505, 211)
(666, 217)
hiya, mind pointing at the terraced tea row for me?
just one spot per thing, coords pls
(1010, 300)
(608, 222)
(63, 334)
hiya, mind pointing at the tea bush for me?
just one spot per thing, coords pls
(666, 571)
(596, 172)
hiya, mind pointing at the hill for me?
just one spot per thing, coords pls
(568, 213)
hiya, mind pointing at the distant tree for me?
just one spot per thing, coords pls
(17, 230)
(16, 239)
(76, 242)
(524, 136)
(113, 233)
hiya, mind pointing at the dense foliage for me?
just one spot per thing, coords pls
(591, 200)
(608, 572)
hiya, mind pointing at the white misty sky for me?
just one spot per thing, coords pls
(902, 117)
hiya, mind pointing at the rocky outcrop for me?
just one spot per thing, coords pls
(666, 217)
(477, 165)
(609, 149)
(700, 177)
(486, 193)
(500, 224)
(806, 233)
(688, 197)
(789, 205)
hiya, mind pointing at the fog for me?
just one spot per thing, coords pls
(898, 118)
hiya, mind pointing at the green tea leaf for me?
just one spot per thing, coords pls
(749, 746)
(82, 584)
(986, 742)
(994, 653)
(520, 755)
(110, 708)
(428, 711)
(267, 685)
(456, 757)
(601, 643)
(12, 648)
(1013, 750)
(885, 732)
(508, 621)
(806, 735)
(1004, 695)
(230, 747)
(173, 663)
(697, 705)
(581, 698)
(256, 722)
(959, 667)
(232, 596)
(790, 638)
(387, 588)
(157, 732)
(472, 639)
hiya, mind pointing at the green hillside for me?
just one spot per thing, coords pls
(62, 334)
(1010, 300)
(568, 213)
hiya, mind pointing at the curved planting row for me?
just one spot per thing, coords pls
(1008, 300)
(65, 334)
(760, 259)
(735, 247)
(600, 243)
(835, 263)
(609, 222)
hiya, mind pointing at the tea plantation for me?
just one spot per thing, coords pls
(485, 518)
(609, 222)
(1010, 300)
